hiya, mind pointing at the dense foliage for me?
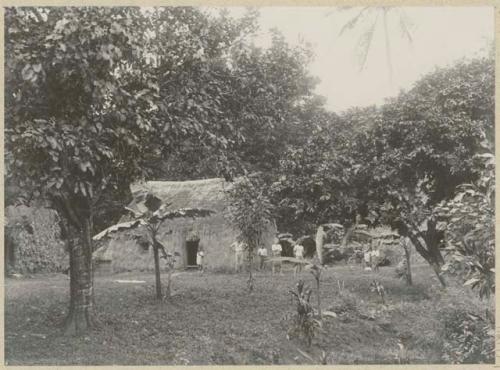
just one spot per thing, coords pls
(468, 338)
(394, 164)
(97, 98)
(250, 213)
(470, 230)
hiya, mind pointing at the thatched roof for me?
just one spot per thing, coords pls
(203, 194)
(181, 195)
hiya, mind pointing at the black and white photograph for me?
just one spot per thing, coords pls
(231, 185)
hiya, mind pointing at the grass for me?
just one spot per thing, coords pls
(212, 319)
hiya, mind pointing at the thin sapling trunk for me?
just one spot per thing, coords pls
(319, 297)
(408, 267)
(250, 272)
(157, 269)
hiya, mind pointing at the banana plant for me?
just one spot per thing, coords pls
(150, 212)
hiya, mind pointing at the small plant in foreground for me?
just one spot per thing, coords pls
(303, 321)
(402, 341)
(375, 286)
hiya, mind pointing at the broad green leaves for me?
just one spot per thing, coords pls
(98, 97)
(470, 231)
(71, 119)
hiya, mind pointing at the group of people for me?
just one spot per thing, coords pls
(240, 247)
(371, 258)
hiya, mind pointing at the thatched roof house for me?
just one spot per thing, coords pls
(125, 250)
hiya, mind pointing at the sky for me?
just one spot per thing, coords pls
(440, 37)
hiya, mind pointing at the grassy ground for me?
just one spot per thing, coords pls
(212, 319)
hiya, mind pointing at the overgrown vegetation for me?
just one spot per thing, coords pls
(219, 323)
(151, 212)
(97, 98)
(468, 338)
(250, 213)
(303, 321)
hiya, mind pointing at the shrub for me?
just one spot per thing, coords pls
(345, 303)
(467, 338)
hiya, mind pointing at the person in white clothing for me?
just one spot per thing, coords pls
(239, 249)
(298, 252)
(276, 251)
(199, 259)
(368, 259)
(262, 253)
(375, 260)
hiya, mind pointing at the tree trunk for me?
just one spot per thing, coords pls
(157, 270)
(79, 319)
(89, 250)
(319, 298)
(429, 250)
(169, 281)
(250, 263)
(433, 238)
(348, 235)
(408, 266)
(349, 232)
(437, 269)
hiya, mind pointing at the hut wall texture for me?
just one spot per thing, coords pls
(215, 235)
(32, 241)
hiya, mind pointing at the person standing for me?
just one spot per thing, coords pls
(276, 251)
(368, 259)
(320, 238)
(239, 249)
(262, 253)
(199, 259)
(298, 252)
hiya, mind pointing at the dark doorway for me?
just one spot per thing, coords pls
(9, 252)
(309, 245)
(192, 251)
(286, 248)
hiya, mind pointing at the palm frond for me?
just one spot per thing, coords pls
(365, 43)
(135, 213)
(118, 227)
(405, 24)
(162, 214)
(353, 21)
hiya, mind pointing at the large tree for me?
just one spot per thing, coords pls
(422, 146)
(313, 184)
(268, 104)
(394, 164)
(95, 97)
(75, 113)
